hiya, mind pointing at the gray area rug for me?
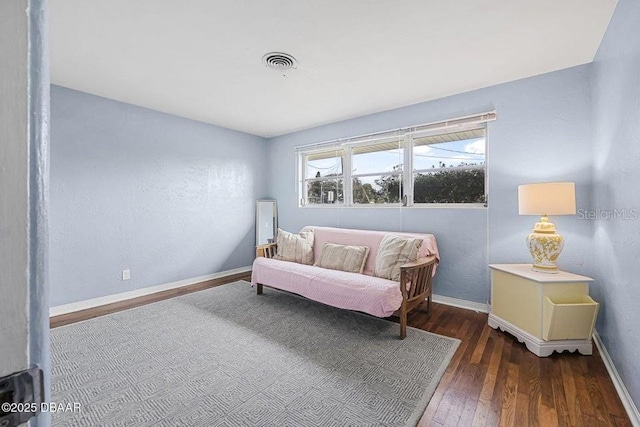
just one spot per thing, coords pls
(228, 357)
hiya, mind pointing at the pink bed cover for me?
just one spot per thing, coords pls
(352, 291)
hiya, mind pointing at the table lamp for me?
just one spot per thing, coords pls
(548, 198)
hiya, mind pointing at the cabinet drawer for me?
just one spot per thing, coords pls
(569, 318)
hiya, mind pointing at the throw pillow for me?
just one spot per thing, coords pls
(295, 247)
(342, 257)
(394, 251)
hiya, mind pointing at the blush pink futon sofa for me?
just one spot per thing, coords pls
(353, 291)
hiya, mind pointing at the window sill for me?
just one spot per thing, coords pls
(398, 206)
(449, 206)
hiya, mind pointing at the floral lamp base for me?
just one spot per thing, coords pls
(545, 246)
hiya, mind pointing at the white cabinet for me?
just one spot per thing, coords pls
(548, 312)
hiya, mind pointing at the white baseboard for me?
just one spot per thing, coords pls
(461, 303)
(123, 296)
(627, 402)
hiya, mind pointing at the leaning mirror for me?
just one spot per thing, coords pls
(266, 221)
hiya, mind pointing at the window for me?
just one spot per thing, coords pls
(376, 172)
(449, 168)
(324, 177)
(425, 165)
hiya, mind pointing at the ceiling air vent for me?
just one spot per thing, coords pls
(279, 61)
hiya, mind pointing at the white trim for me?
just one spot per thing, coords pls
(330, 178)
(123, 296)
(627, 402)
(396, 206)
(396, 136)
(538, 346)
(347, 184)
(407, 171)
(449, 206)
(461, 303)
(367, 175)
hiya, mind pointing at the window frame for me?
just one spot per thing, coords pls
(373, 142)
(413, 172)
(303, 160)
(407, 174)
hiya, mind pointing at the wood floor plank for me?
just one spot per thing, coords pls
(548, 416)
(570, 392)
(546, 385)
(480, 346)
(535, 396)
(509, 395)
(608, 390)
(495, 409)
(474, 375)
(522, 396)
(559, 396)
(582, 391)
(597, 400)
(489, 384)
(620, 420)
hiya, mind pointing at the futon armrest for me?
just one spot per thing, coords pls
(415, 280)
(419, 263)
(268, 250)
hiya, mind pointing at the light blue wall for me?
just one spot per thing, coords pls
(616, 178)
(542, 134)
(167, 197)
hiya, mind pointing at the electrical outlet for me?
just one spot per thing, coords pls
(126, 274)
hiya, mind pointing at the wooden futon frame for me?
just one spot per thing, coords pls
(415, 284)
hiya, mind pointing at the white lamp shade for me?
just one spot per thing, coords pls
(547, 198)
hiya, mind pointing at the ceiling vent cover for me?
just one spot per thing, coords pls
(279, 61)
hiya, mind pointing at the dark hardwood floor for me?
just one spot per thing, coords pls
(493, 380)
(90, 313)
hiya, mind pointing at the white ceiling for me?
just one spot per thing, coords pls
(201, 59)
